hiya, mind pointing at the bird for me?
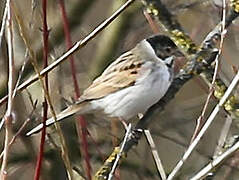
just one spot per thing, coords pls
(131, 84)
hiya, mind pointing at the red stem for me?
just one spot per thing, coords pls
(80, 119)
(45, 106)
(40, 154)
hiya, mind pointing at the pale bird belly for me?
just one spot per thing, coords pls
(130, 101)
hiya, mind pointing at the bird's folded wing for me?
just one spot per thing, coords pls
(122, 73)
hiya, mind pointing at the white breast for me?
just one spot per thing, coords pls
(148, 89)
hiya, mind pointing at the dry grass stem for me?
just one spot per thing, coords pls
(156, 158)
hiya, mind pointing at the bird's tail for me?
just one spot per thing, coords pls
(79, 108)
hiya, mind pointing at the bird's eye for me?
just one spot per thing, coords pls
(168, 49)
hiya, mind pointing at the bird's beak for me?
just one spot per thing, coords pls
(179, 61)
(179, 54)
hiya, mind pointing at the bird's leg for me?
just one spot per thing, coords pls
(115, 131)
(124, 123)
(136, 133)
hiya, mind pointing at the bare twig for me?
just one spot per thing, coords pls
(45, 105)
(8, 114)
(215, 162)
(19, 79)
(200, 120)
(21, 128)
(223, 136)
(15, 89)
(157, 160)
(128, 130)
(152, 24)
(4, 18)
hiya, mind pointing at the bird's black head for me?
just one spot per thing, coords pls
(164, 47)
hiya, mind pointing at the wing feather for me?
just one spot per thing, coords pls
(120, 74)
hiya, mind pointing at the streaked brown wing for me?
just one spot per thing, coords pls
(120, 74)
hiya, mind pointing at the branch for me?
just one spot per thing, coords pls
(203, 173)
(157, 160)
(8, 116)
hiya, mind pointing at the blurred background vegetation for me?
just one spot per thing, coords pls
(171, 130)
